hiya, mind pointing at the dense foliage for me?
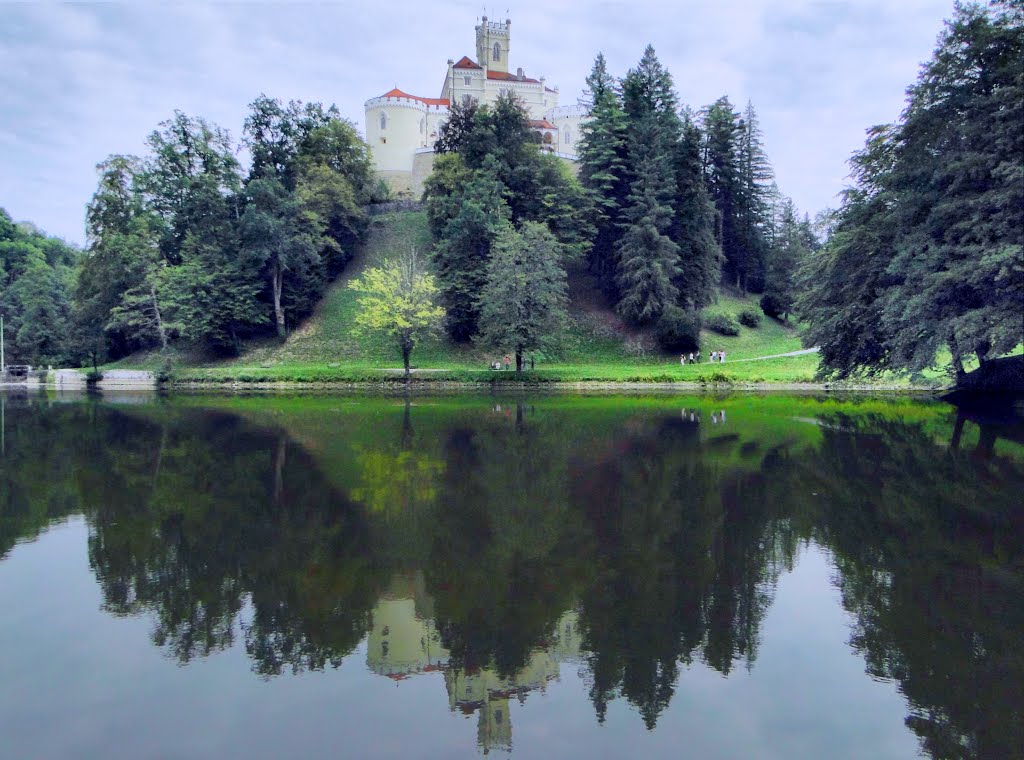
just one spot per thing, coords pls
(682, 202)
(928, 249)
(181, 245)
(36, 282)
(491, 173)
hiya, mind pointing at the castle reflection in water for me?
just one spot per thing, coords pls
(403, 642)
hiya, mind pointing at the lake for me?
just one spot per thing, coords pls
(740, 576)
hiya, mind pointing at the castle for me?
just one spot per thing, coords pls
(401, 128)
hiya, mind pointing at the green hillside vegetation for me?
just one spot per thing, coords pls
(599, 345)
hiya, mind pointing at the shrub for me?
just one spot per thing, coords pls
(91, 378)
(750, 317)
(723, 324)
(773, 306)
(678, 330)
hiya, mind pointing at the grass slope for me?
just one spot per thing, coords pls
(599, 346)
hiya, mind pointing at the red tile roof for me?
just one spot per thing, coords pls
(541, 124)
(466, 63)
(396, 93)
(505, 75)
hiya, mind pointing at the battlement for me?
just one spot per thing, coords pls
(499, 27)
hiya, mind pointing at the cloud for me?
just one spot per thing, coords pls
(79, 82)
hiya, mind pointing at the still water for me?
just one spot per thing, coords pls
(593, 577)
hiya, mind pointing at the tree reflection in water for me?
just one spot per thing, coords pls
(495, 544)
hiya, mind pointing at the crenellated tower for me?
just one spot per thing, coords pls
(493, 40)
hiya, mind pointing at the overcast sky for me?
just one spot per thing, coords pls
(79, 82)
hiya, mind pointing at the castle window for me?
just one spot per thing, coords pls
(567, 138)
(497, 52)
(422, 130)
(383, 120)
(467, 80)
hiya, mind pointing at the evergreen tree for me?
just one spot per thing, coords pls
(693, 226)
(602, 157)
(462, 253)
(720, 159)
(647, 257)
(928, 248)
(523, 302)
(791, 246)
(839, 285)
(757, 188)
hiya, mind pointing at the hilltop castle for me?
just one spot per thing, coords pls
(401, 128)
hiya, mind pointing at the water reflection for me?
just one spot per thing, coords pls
(496, 541)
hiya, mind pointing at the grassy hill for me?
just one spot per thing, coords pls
(599, 345)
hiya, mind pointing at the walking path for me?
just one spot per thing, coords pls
(773, 356)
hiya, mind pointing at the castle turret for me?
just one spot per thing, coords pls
(493, 40)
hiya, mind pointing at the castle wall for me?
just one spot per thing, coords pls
(569, 120)
(397, 126)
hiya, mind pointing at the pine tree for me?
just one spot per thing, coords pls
(928, 249)
(755, 180)
(720, 159)
(523, 303)
(602, 156)
(647, 257)
(693, 226)
(790, 247)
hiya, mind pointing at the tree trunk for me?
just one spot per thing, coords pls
(406, 353)
(958, 359)
(982, 350)
(159, 321)
(519, 360)
(276, 285)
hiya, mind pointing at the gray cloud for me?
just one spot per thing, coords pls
(78, 82)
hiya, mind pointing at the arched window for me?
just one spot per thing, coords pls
(421, 126)
(567, 137)
(497, 52)
(383, 120)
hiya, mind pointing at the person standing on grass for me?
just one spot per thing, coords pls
(682, 359)
(714, 356)
(721, 357)
(508, 362)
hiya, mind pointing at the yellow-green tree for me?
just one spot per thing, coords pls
(399, 300)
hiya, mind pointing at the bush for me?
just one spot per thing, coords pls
(91, 378)
(773, 306)
(678, 330)
(723, 324)
(750, 317)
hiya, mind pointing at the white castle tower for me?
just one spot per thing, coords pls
(493, 41)
(401, 128)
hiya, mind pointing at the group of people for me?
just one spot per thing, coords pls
(694, 357)
(508, 363)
